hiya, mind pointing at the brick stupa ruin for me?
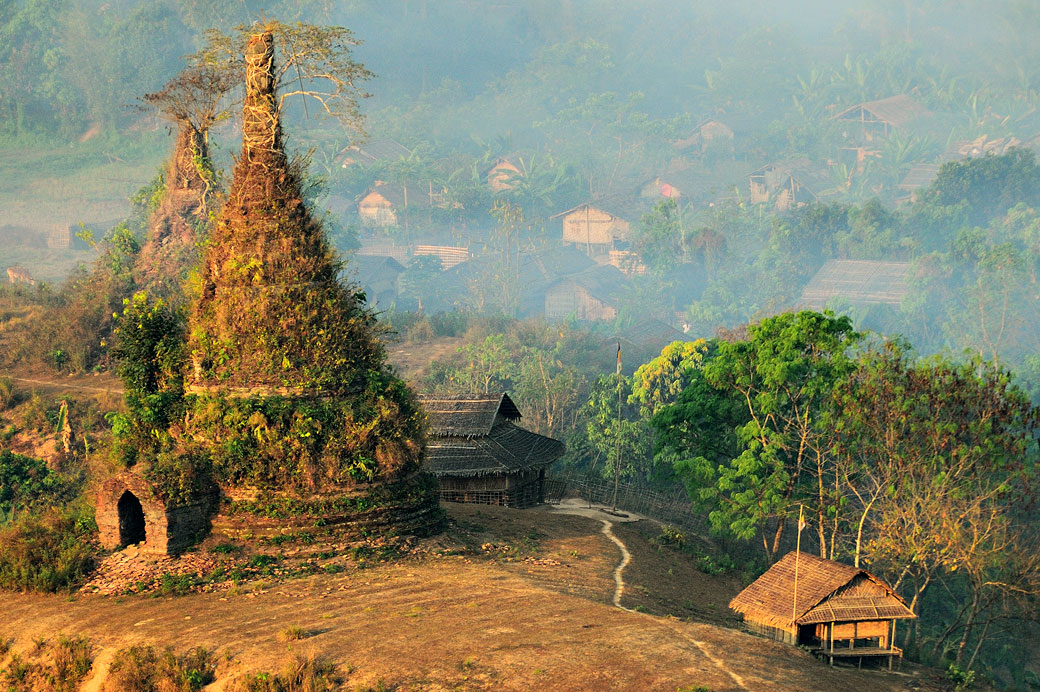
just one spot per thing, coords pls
(289, 398)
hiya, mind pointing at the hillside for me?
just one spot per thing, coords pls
(506, 600)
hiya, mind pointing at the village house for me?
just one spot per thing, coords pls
(378, 277)
(857, 282)
(504, 170)
(836, 610)
(788, 185)
(480, 455)
(601, 225)
(709, 134)
(593, 294)
(919, 176)
(374, 151)
(867, 122)
(395, 204)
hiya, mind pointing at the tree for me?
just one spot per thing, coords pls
(660, 237)
(785, 372)
(315, 63)
(938, 459)
(624, 444)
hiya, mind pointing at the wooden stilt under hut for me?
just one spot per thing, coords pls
(481, 456)
(838, 611)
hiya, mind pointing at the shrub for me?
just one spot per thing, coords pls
(143, 669)
(300, 674)
(55, 667)
(7, 393)
(50, 551)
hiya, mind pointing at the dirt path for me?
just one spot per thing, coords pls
(619, 582)
(626, 557)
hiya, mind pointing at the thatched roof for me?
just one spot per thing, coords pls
(828, 591)
(920, 175)
(866, 282)
(402, 195)
(896, 110)
(475, 436)
(373, 151)
(809, 175)
(626, 207)
(604, 282)
(468, 415)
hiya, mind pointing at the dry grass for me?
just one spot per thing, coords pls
(51, 666)
(145, 669)
(533, 617)
(300, 674)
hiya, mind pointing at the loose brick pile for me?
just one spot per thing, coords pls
(130, 571)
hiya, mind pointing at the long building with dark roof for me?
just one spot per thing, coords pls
(480, 455)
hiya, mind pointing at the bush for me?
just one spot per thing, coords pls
(51, 551)
(300, 674)
(143, 669)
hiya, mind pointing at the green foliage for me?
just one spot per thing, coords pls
(295, 442)
(785, 372)
(27, 484)
(961, 679)
(150, 361)
(144, 669)
(976, 190)
(47, 551)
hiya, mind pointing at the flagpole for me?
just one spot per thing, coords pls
(617, 437)
(797, 550)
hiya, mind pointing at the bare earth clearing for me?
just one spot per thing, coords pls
(506, 600)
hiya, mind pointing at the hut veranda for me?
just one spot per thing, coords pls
(479, 454)
(838, 611)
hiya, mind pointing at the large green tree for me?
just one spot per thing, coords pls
(784, 372)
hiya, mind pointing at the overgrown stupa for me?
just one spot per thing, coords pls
(289, 389)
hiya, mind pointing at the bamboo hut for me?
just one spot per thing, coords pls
(860, 282)
(788, 185)
(593, 294)
(601, 225)
(481, 456)
(873, 120)
(838, 611)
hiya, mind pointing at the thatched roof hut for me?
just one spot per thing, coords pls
(860, 282)
(480, 455)
(838, 610)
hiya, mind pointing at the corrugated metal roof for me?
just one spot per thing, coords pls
(828, 591)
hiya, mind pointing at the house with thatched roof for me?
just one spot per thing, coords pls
(373, 151)
(872, 120)
(378, 277)
(839, 611)
(480, 455)
(590, 295)
(859, 282)
(788, 184)
(390, 204)
(601, 225)
(920, 175)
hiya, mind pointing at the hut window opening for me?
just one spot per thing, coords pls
(131, 520)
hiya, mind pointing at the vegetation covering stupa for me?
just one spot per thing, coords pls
(287, 380)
